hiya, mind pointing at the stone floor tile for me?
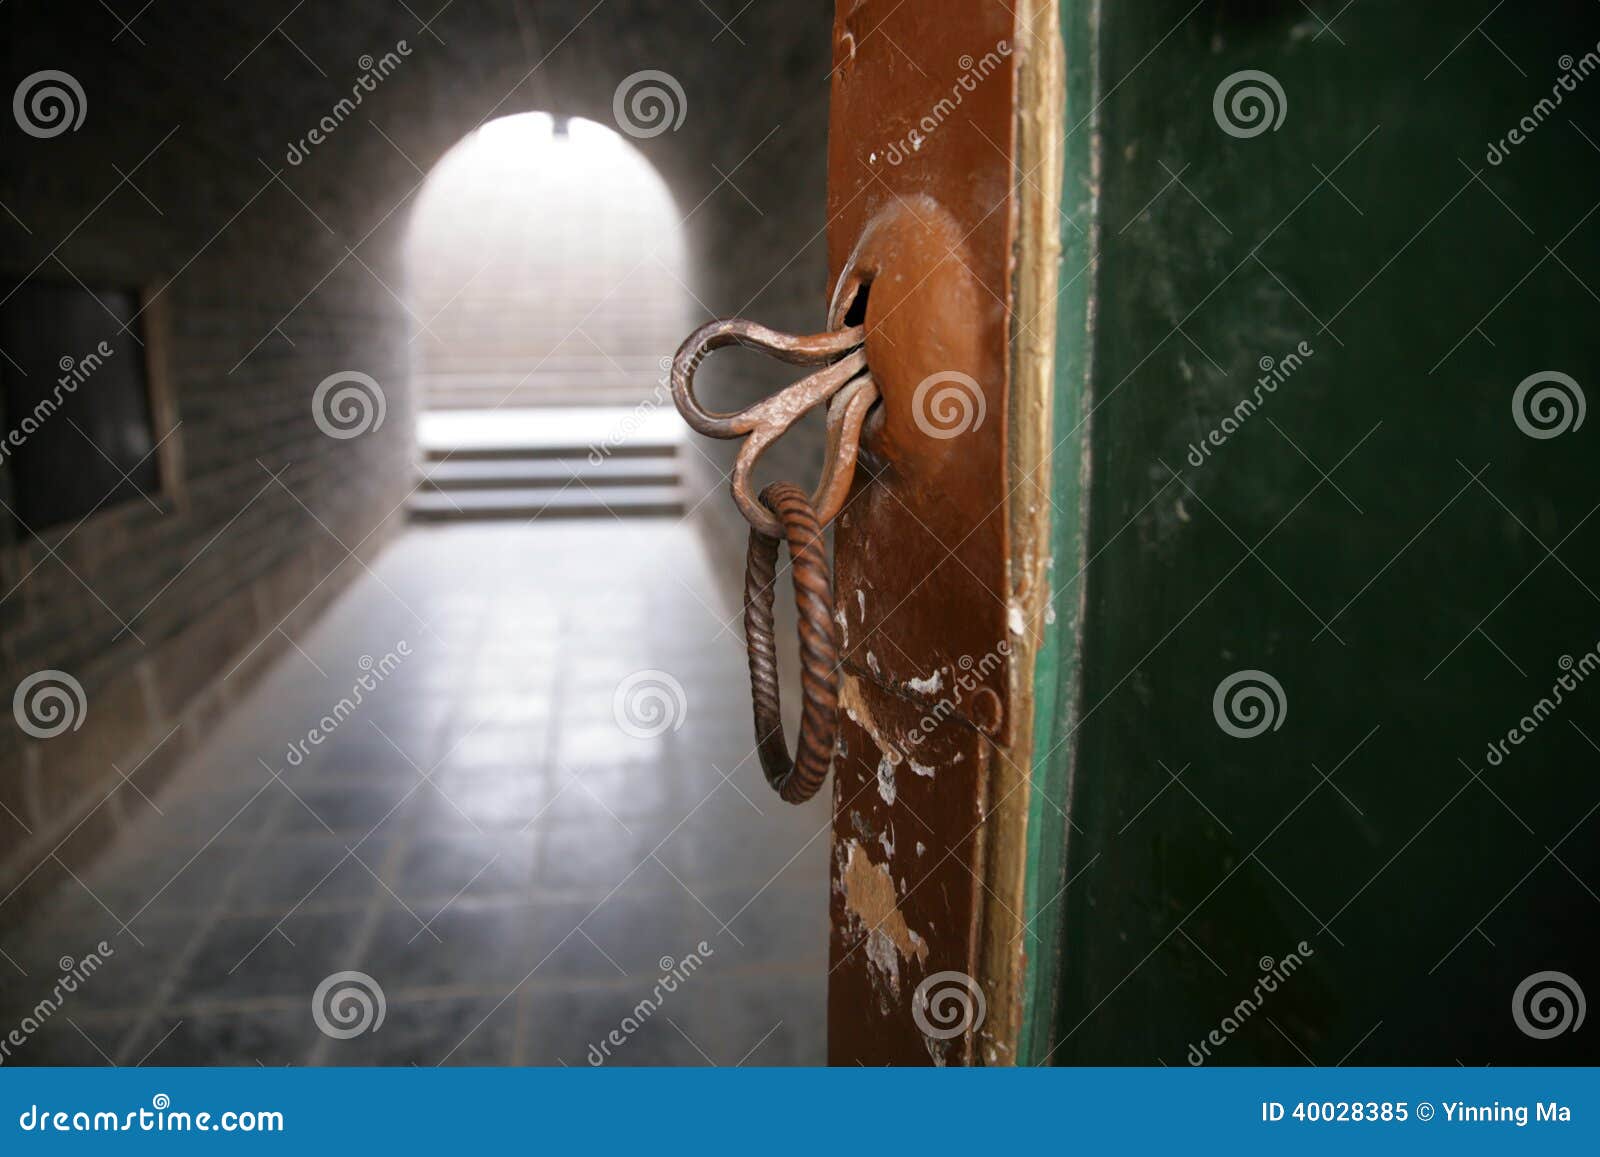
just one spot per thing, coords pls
(528, 856)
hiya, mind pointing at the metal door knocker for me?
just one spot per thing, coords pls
(784, 512)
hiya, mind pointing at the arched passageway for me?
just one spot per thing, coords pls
(547, 274)
(547, 265)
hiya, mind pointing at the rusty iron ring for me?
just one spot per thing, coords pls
(799, 779)
(815, 349)
(842, 383)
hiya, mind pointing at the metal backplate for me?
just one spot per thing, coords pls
(922, 219)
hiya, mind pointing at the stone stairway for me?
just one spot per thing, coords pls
(538, 466)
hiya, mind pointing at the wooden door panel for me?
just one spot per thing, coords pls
(924, 218)
(906, 897)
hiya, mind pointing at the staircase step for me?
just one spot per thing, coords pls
(563, 451)
(544, 473)
(573, 502)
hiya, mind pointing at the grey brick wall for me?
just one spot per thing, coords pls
(272, 275)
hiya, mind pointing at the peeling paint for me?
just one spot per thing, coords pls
(872, 664)
(869, 896)
(855, 706)
(928, 686)
(886, 786)
(851, 703)
(1014, 620)
(882, 956)
(844, 627)
(861, 603)
(921, 769)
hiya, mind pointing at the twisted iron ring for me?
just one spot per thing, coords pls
(799, 779)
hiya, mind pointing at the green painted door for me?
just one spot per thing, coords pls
(1323, 705)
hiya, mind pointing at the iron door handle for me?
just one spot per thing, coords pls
(783, 512)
